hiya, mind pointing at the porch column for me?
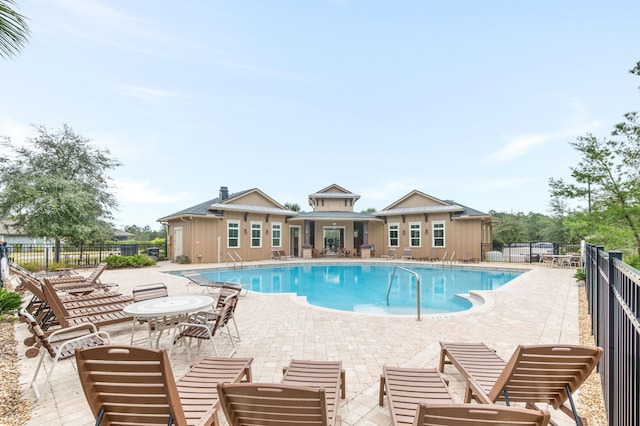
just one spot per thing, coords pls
(365, 248)
(307, 249)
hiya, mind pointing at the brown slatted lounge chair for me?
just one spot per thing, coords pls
(105, 315)
(534, 374)
(60, 344)
(260, 404)
(327, 375)
(478, 415)
(407, 387)
(129, 386)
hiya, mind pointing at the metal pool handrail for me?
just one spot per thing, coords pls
(415, 274)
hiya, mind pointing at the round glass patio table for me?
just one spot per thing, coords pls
(164, 312)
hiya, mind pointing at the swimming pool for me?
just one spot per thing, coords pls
(363, 287)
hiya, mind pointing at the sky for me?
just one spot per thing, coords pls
(471, 101)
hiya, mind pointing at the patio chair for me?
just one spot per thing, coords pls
(205, 325)
(434, 256)
(146, 292)
(535, 374)
(129, 386)
(390, 255)
(260, 404)
(478, 415)
(319, 375)
(406, 254)
(407, 387)
(60, 344)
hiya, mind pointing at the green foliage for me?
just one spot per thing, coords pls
(136, 261)
(183, 258)
(10, 301)
(532, 227)
(145, 233)
(632, 260)
(14, 30)
(292, 207)
(607, 177)
(31, 266)
(580, 275)
(55, 186)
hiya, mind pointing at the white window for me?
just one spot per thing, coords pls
(438, 234)
(276, 234)
(233, 234)
(415, 235)
(256, 234)
(394, 234)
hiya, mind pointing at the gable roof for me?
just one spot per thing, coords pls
(440, 206)
(215, 206)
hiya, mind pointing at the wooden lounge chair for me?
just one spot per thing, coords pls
(260, 404)
(478, 415)
(326, 375)
(534, 374)
(407, 387)
(129, 386)
(213, 286)
(38, 307)
(100, 315)
(61, 344)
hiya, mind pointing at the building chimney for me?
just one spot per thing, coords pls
(224, 193)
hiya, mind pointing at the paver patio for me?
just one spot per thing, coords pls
(540, 306)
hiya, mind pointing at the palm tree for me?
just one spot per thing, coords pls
(292, 206)
(13, 29)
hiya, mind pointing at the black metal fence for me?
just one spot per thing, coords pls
(46, 257)
(613, 292)
(525, 252)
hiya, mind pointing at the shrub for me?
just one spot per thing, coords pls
(580, 275)
(31, 266)
(10, 301)
(632, 260)
(183, 258)
(136, 261)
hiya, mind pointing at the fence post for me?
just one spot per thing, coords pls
(611, 332)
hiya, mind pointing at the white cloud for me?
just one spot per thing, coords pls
(521, 144)
(18, 132)
(131, 191)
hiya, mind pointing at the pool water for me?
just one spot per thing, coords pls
(363, 288)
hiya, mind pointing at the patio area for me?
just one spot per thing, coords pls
(540, 306)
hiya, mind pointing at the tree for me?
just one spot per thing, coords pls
(55, 186)
(608, 177)
(292, 206)
(14, 30)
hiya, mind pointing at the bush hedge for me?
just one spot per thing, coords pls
(136, 261)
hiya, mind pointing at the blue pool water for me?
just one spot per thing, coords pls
(363, 288)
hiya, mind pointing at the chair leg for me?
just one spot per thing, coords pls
(35, 374)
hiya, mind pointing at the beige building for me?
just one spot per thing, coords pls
(250, 225)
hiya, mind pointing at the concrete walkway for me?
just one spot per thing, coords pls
(540, 306)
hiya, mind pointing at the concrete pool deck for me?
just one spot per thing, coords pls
(540, 306)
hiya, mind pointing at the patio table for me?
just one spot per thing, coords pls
(164, 312)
